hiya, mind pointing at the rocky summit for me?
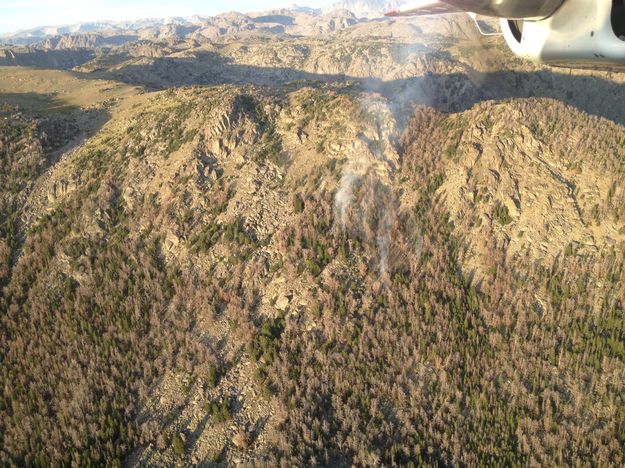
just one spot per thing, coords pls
(307, 238)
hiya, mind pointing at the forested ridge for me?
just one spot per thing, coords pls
(119, 286)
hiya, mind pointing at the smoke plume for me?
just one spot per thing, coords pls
(365, 204)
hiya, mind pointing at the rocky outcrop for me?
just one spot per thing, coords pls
(511, 183)
(85, 41)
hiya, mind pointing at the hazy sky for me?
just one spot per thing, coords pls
(24, 14)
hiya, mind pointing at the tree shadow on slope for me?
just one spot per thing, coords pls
(63, 126)
(37, 103)
(58, 125)
(453, 92)
(35, 131)
(16, 56)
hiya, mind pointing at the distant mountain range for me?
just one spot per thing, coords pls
(32, 36)
(366, 8)
(359, 8)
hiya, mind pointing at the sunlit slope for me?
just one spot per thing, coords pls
(306, 270)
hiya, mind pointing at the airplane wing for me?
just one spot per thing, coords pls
(423, 8)
(509, 9)
(554, 32)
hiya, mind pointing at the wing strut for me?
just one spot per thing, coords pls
(429, 7)
(424, 8)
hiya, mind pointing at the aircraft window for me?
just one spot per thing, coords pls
(618, 18)
(516, 26)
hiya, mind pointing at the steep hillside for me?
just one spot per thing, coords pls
(192, 184)
(551, 174)
(352, 249)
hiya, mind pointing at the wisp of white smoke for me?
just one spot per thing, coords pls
(371, 169)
